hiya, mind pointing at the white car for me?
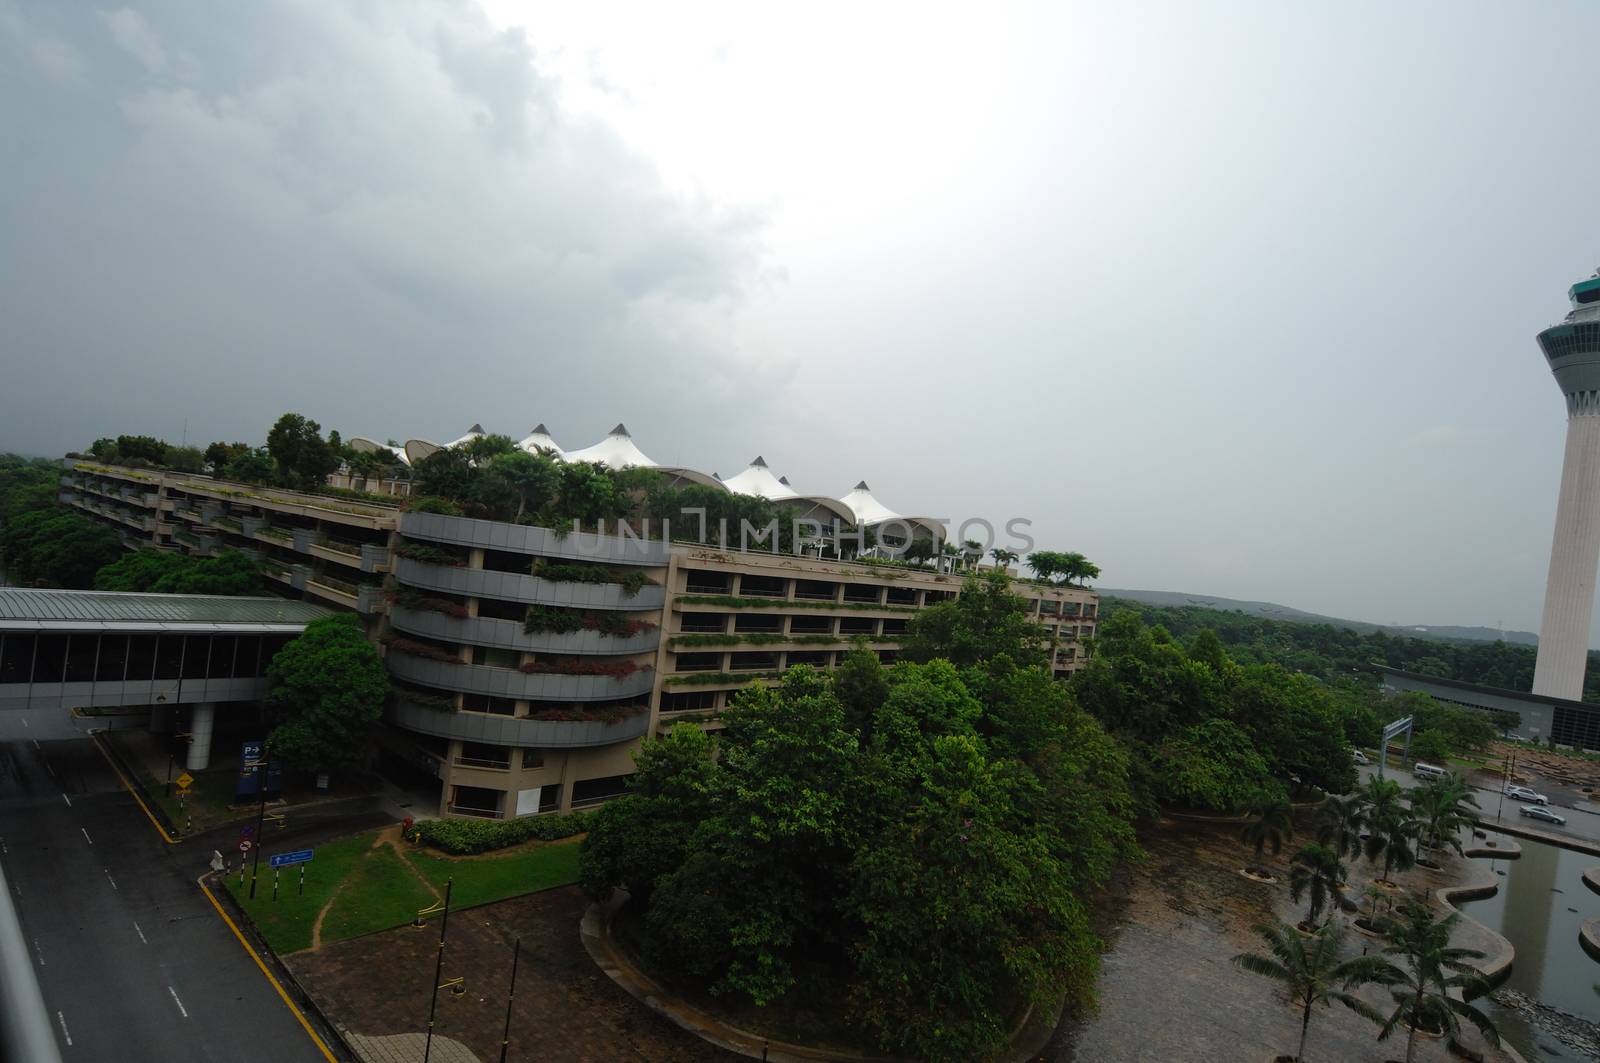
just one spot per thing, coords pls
(1522, 793)
(1541, 812)
(1359, 757)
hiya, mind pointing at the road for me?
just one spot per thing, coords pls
(1582, 820)
(133, 960)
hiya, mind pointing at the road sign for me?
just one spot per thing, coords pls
(247, 831)
(245, 844)
(299, 856)
(184, 781)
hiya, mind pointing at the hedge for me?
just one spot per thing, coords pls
(463, 837)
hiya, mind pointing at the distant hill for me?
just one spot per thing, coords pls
(1274, 611)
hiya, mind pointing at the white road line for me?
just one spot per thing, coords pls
(140, 932)
(85, 831)
(64, 1032)
(3, 849)
(107, 870)
(24, 721)
(50, 769)
(38, 951)
(178, 1002)
(67, 799)
(35, 742)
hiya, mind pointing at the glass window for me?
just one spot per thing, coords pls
(169, 657)
(50, 659)
(246, 657)
(196, 653)
(141, 657)
(80, 658)
(113, 658)
(221, 657)
(16, 659)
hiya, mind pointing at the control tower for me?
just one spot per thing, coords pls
(1573, 350)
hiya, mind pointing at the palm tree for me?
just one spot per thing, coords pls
(971, 552)
(1339, 823)
(1311, 972)
(1390, 824)
(1271, 824)
(1315, 869)
(1003, 557)
(1442, 808)
(1433, 983)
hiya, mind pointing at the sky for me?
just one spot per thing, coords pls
(1234, 298)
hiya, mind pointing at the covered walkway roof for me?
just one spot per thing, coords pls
(26, 609)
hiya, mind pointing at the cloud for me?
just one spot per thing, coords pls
(381, 214)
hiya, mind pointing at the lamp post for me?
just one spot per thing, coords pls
(261, 812)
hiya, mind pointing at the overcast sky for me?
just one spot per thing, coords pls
(1235, 298)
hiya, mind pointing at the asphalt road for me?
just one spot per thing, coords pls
(1581, 823)
(133, 961)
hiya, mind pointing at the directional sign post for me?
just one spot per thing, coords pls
(282, 860)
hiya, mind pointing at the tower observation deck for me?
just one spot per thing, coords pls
(1573, 351)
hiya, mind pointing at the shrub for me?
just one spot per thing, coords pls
(430, 555)
(463, 837)
(433, 504)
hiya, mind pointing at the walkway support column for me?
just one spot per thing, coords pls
(200, 736)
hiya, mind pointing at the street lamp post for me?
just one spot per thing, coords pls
(505, 1038)
(438, 969)
(261, 812)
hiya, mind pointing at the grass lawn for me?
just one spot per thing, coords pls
(380, 891)
(483, 879)
(286, 923)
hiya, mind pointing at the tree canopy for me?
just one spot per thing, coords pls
(927, 836)
(326, 690)
(230, 572)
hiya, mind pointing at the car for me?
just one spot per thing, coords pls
(1522, 793)
(1360, 757)
(1541, 812)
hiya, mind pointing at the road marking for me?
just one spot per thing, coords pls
(36, 744)
(38, 951)
(85, 831)
(133, 793)
(67, 799)
(140, 932)
(298, 1014)
(64, 1032)
(178, 1002)
(3, 849)
(24, 721)
(107, 870)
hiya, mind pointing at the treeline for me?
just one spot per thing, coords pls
(1328, 651)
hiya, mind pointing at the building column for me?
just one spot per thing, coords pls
(200, 736)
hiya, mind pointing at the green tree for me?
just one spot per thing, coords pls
(984, 622)
(1311, 973)
(1433, 981)
(643, 835)
(1271, 825)
(1390, 825)
(1052, 566)
(57, 548)
(1443, 808)
(230, 572)
(303, 458)
(1212, 766)
(252, 467)
(861, 686)
(1003, 557)
(220, 455)
(1340, 820)
(326, 691)
(1316, 871)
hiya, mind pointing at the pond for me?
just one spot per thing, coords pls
(1541, 903)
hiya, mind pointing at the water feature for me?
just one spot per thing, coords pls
(1540, 905)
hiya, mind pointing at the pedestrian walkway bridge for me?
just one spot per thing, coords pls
(71, 649)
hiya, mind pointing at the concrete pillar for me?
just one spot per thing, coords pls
(1574, 554)
(200, 736)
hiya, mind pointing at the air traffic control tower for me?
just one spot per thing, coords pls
(1573, 350)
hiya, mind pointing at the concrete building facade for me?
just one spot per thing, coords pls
(528, 665)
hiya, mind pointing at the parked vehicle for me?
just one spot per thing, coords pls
(1428, 771)
(1522, 793)
(1543, 813)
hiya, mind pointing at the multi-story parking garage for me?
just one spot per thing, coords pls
(527, 665)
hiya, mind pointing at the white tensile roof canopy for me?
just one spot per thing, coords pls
(539, 439)
(617, 451)
(417, 449)
(757, 480)
(364, 445)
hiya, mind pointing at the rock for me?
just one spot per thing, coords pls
(1578, 1034)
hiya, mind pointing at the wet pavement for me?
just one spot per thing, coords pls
(1168, 991)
